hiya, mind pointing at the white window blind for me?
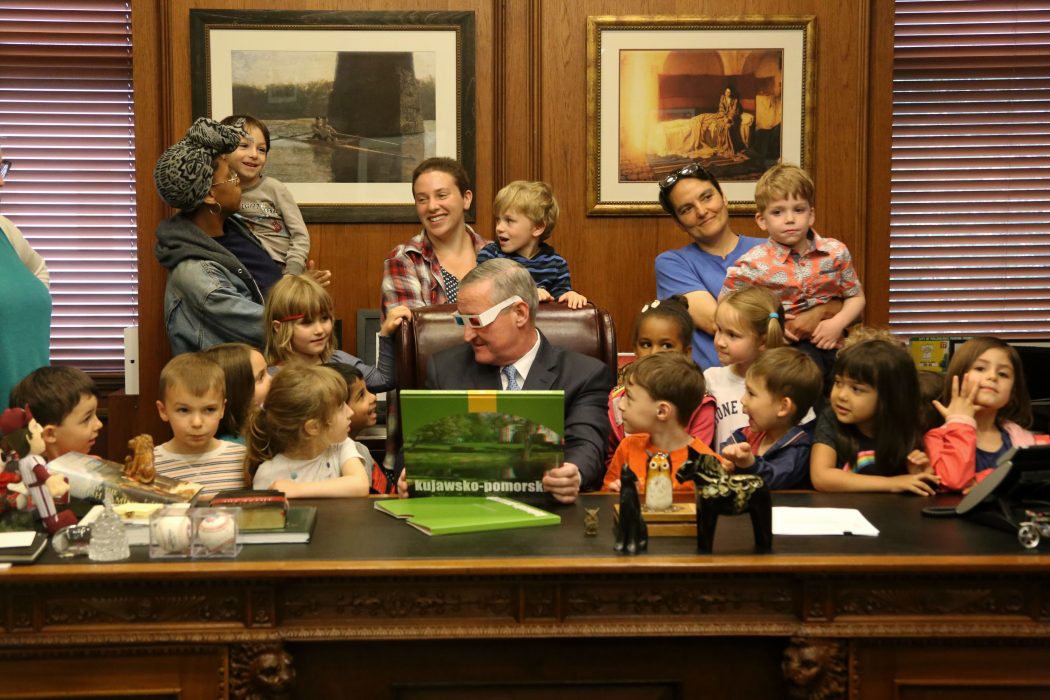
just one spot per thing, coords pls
(970, 211)
(66, 121)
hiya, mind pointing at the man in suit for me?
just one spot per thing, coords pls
(496, 306)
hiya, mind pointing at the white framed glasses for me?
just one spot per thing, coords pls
(486, 317)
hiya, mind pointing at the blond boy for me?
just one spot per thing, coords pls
(193, 401)
(662, 391)
(526, 213)
(804, 269)
(780, 388)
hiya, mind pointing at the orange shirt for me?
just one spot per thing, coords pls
(631, 453)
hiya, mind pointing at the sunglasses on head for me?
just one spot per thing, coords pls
(487, 316)
(692, 170)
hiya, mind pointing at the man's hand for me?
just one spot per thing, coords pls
(563, 482)
(323, 277)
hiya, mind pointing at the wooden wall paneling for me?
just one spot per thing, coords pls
(880, 134)
(612, 257)
(531, 123)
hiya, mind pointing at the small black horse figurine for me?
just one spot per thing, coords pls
(632, 535)
(719, 493)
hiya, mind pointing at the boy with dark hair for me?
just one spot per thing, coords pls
(662, 391)
(780, 388)
(193, 401)
(64, 401)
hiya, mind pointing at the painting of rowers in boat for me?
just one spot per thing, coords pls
(340, 116)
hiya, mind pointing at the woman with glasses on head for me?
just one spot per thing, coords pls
(697, 271)
(25, 304)
(219, 271)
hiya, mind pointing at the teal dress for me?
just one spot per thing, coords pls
(25, 320)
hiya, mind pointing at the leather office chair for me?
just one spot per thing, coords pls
(588, 331)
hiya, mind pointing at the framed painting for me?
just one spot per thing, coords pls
(734, 94)
(353, 100)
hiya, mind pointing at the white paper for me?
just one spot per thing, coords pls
(16, 539)
(821, 521)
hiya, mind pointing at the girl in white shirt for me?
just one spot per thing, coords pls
(297, 442)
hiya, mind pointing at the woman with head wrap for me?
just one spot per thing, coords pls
(25, 305)
(219, 271)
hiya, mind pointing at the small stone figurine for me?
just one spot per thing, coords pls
(590, 522)
(719, 493)
(139, 466)
(632, 535)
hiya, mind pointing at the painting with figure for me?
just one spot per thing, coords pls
(720, 107)
(340, 116)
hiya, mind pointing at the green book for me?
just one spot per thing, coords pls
(481, 443)
(453, 515)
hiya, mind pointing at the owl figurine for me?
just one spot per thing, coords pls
(659, 490)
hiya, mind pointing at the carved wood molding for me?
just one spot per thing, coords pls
(816, 669)
(261, 672)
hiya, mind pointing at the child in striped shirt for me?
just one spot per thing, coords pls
(193, 401)
(526, 213)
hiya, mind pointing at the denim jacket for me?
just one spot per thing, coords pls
(210, 297)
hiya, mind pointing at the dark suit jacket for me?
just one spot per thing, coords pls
(586, 382)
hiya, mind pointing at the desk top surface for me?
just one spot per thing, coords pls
(352, 538)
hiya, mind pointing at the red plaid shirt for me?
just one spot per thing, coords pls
(412, 273)
(802, 281)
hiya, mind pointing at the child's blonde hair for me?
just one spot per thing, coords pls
(761, 310)
(294, 298)
(195, 372)
(299, 393)
(862, 334)
(535, 201)
(781, 181)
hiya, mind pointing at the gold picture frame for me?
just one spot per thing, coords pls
(733, 93)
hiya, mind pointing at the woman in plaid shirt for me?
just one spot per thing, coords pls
(426, 270)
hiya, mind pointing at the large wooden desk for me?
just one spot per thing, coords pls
(375, 609)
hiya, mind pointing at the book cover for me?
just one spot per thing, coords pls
(260, 510)
(298, 527)
(92, 477)
(481, 442)
(449, 516)
(24, 554)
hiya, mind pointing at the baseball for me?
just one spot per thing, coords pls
(172, 533)
(217, 532)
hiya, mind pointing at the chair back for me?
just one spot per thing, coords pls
(588, 331)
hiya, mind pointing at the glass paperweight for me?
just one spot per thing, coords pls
(215, 533)
(170, 533)
(108, 541)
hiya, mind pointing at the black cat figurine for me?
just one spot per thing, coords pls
(632, 535)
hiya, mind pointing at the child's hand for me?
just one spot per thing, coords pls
(394, 318)
(543, 294)
(402, 485)
(282, 485)
(614, 486)
(924, 484)
(575, 300)
(962, 401)
(918, 462)
(827, 335)
(323, 277)
(739, 455)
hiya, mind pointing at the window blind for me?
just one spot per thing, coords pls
(67, 123)
(970, 203)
